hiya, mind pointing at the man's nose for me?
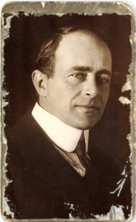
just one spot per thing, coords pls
(90, 87)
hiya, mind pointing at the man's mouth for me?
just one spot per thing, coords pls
(88, 107)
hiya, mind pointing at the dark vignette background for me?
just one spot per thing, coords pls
(20, 51)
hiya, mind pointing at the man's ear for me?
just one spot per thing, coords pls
(40, 81)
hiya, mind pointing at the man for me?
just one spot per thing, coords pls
(52, 170)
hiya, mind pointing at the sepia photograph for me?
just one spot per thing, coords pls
(68, 111)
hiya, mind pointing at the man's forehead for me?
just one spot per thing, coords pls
(79, 49)
(74, 36)
(83, 37)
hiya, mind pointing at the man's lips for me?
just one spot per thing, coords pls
(89, 107)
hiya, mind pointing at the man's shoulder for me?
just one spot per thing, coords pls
(25, 136)
(21, 126)
(24, 129)
(104, 155)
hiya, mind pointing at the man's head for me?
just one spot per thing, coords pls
(73, 79)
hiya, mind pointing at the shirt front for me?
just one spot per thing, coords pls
(65, 138)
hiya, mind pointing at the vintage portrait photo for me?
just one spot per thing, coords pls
(68, 101)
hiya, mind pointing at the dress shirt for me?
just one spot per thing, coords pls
(64, 137)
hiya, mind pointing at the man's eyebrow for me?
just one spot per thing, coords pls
(90, 69)
(104, 71)
(82, 68)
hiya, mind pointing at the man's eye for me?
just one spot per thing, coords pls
(80, 75)
(103, 80)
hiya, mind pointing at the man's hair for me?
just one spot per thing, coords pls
(45, 61)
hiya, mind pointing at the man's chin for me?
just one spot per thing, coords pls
(86, 120)
(86, 125)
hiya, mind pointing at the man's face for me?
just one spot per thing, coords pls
(78, 92)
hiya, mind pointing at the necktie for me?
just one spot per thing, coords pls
(80, 151)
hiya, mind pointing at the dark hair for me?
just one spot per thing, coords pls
(45, 61)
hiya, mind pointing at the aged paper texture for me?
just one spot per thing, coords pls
(76, 62)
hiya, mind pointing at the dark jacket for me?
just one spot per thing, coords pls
(44, 185)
